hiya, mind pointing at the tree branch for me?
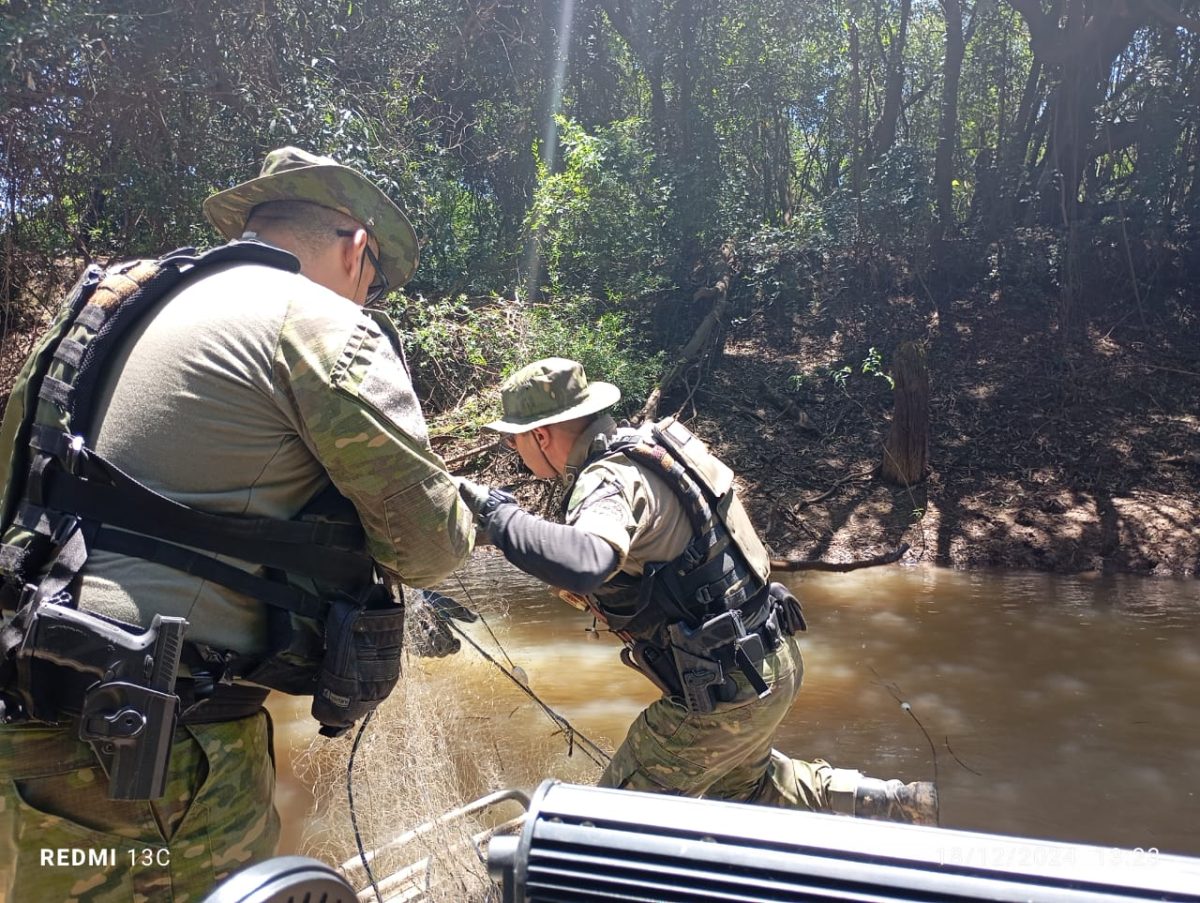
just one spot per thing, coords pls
(1043, 31)
(976, 16)
(473, 452)
(798, 564)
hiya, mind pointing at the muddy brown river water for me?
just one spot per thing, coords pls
(1044, 706)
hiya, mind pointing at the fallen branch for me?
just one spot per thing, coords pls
(697, 345)
(850, 478)
(1169, 370)
(1183, 460)
(802, 524)
(798, 564)
(472, 452)
(787, 406)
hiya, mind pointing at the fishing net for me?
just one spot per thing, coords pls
(454, 730)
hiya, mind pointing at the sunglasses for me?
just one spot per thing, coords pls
(379, 284)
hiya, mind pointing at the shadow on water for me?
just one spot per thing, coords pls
(1046, 706)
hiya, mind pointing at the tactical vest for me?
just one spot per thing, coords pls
(725, 565)
(62, 499)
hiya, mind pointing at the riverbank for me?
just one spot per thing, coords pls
(1057, 454)
(1045, 454)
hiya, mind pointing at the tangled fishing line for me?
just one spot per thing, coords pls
(514, 674)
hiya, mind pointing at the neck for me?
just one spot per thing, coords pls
(580, 448)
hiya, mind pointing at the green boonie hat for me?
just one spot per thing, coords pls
(291, 174)
(548, 391)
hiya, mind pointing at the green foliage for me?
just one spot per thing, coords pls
(608, 345)
(895, 207)
(599, 218)
(460, 348)
(456, 346)
(872, 365)
(840, 375)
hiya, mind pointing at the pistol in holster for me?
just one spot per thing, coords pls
(119, 685)
(705, 656)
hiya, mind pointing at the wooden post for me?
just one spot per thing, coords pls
(906, 450)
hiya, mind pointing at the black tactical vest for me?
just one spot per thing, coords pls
(724, 566)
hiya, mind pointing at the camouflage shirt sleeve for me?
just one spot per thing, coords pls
(357, 412)
(604, 503)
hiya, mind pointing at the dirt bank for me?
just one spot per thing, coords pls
(1052, 455)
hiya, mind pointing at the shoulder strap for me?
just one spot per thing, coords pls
(123, 297)
(22, 404)
(706, 571)
(654, 457)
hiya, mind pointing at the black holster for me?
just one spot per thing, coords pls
(695, 665)
(706, 656)
(653, 664)
(117, 686)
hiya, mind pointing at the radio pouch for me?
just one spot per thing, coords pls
(362, 663)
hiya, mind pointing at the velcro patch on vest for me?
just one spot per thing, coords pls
(117, 287)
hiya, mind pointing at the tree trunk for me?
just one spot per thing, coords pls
(885, 129)
(856, 118)
(782, 165)
(697, 345)
(1191, 201)
(1158, 136)
(640, 27)
(943, 163)
(906, 450)
(1072, 112)
(1081, 52)
(1016, 151)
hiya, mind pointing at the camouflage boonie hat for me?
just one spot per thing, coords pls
(548, 391)
(291, 174)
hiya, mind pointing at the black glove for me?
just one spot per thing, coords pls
(431, 635)
(496, 498)
(483, 500)
(790, 614)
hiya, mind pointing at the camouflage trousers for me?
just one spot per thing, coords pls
(63, 839)
(727, 753)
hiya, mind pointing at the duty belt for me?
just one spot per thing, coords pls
(229, 702)
(200, 701)
(696, 665)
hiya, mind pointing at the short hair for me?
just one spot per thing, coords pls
(312, 225)
(577, 424)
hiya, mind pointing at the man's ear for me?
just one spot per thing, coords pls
(352, 251)
(541, 436)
